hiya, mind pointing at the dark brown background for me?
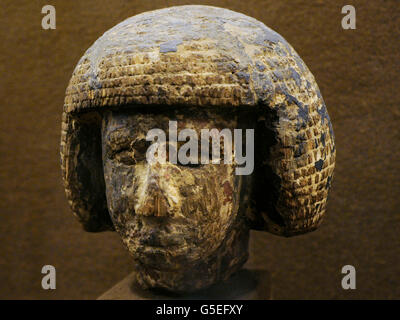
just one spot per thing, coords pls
(358, 74)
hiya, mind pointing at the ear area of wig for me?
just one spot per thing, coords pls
(294, 171)
(271, 221)
(82, 170)
(287, 230)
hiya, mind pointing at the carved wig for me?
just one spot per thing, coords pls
(200, 56)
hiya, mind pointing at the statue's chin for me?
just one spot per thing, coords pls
(167, 259)
(187, 273)
(176, 281)
(186, 278)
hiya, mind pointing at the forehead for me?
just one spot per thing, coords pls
(141, 120)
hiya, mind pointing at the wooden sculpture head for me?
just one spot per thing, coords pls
(183, 223)
(186, 223)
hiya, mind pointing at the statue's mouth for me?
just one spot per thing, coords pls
(157, 238)
(159, 250)
(158, 232)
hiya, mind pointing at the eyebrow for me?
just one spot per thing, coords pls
(118, 139)
(121, 132)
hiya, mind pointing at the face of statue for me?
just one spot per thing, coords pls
(170, 216)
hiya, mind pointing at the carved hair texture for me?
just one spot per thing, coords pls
(204, 56)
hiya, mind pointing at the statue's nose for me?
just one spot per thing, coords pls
(153, 202)
(154, 205)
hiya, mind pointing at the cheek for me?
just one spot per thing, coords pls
(119, 181)
(210, 201)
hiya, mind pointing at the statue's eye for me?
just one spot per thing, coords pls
(133, 153)
(141, 147)
(124, 153)
(126, 157)
(190, 165)
(190, 160)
